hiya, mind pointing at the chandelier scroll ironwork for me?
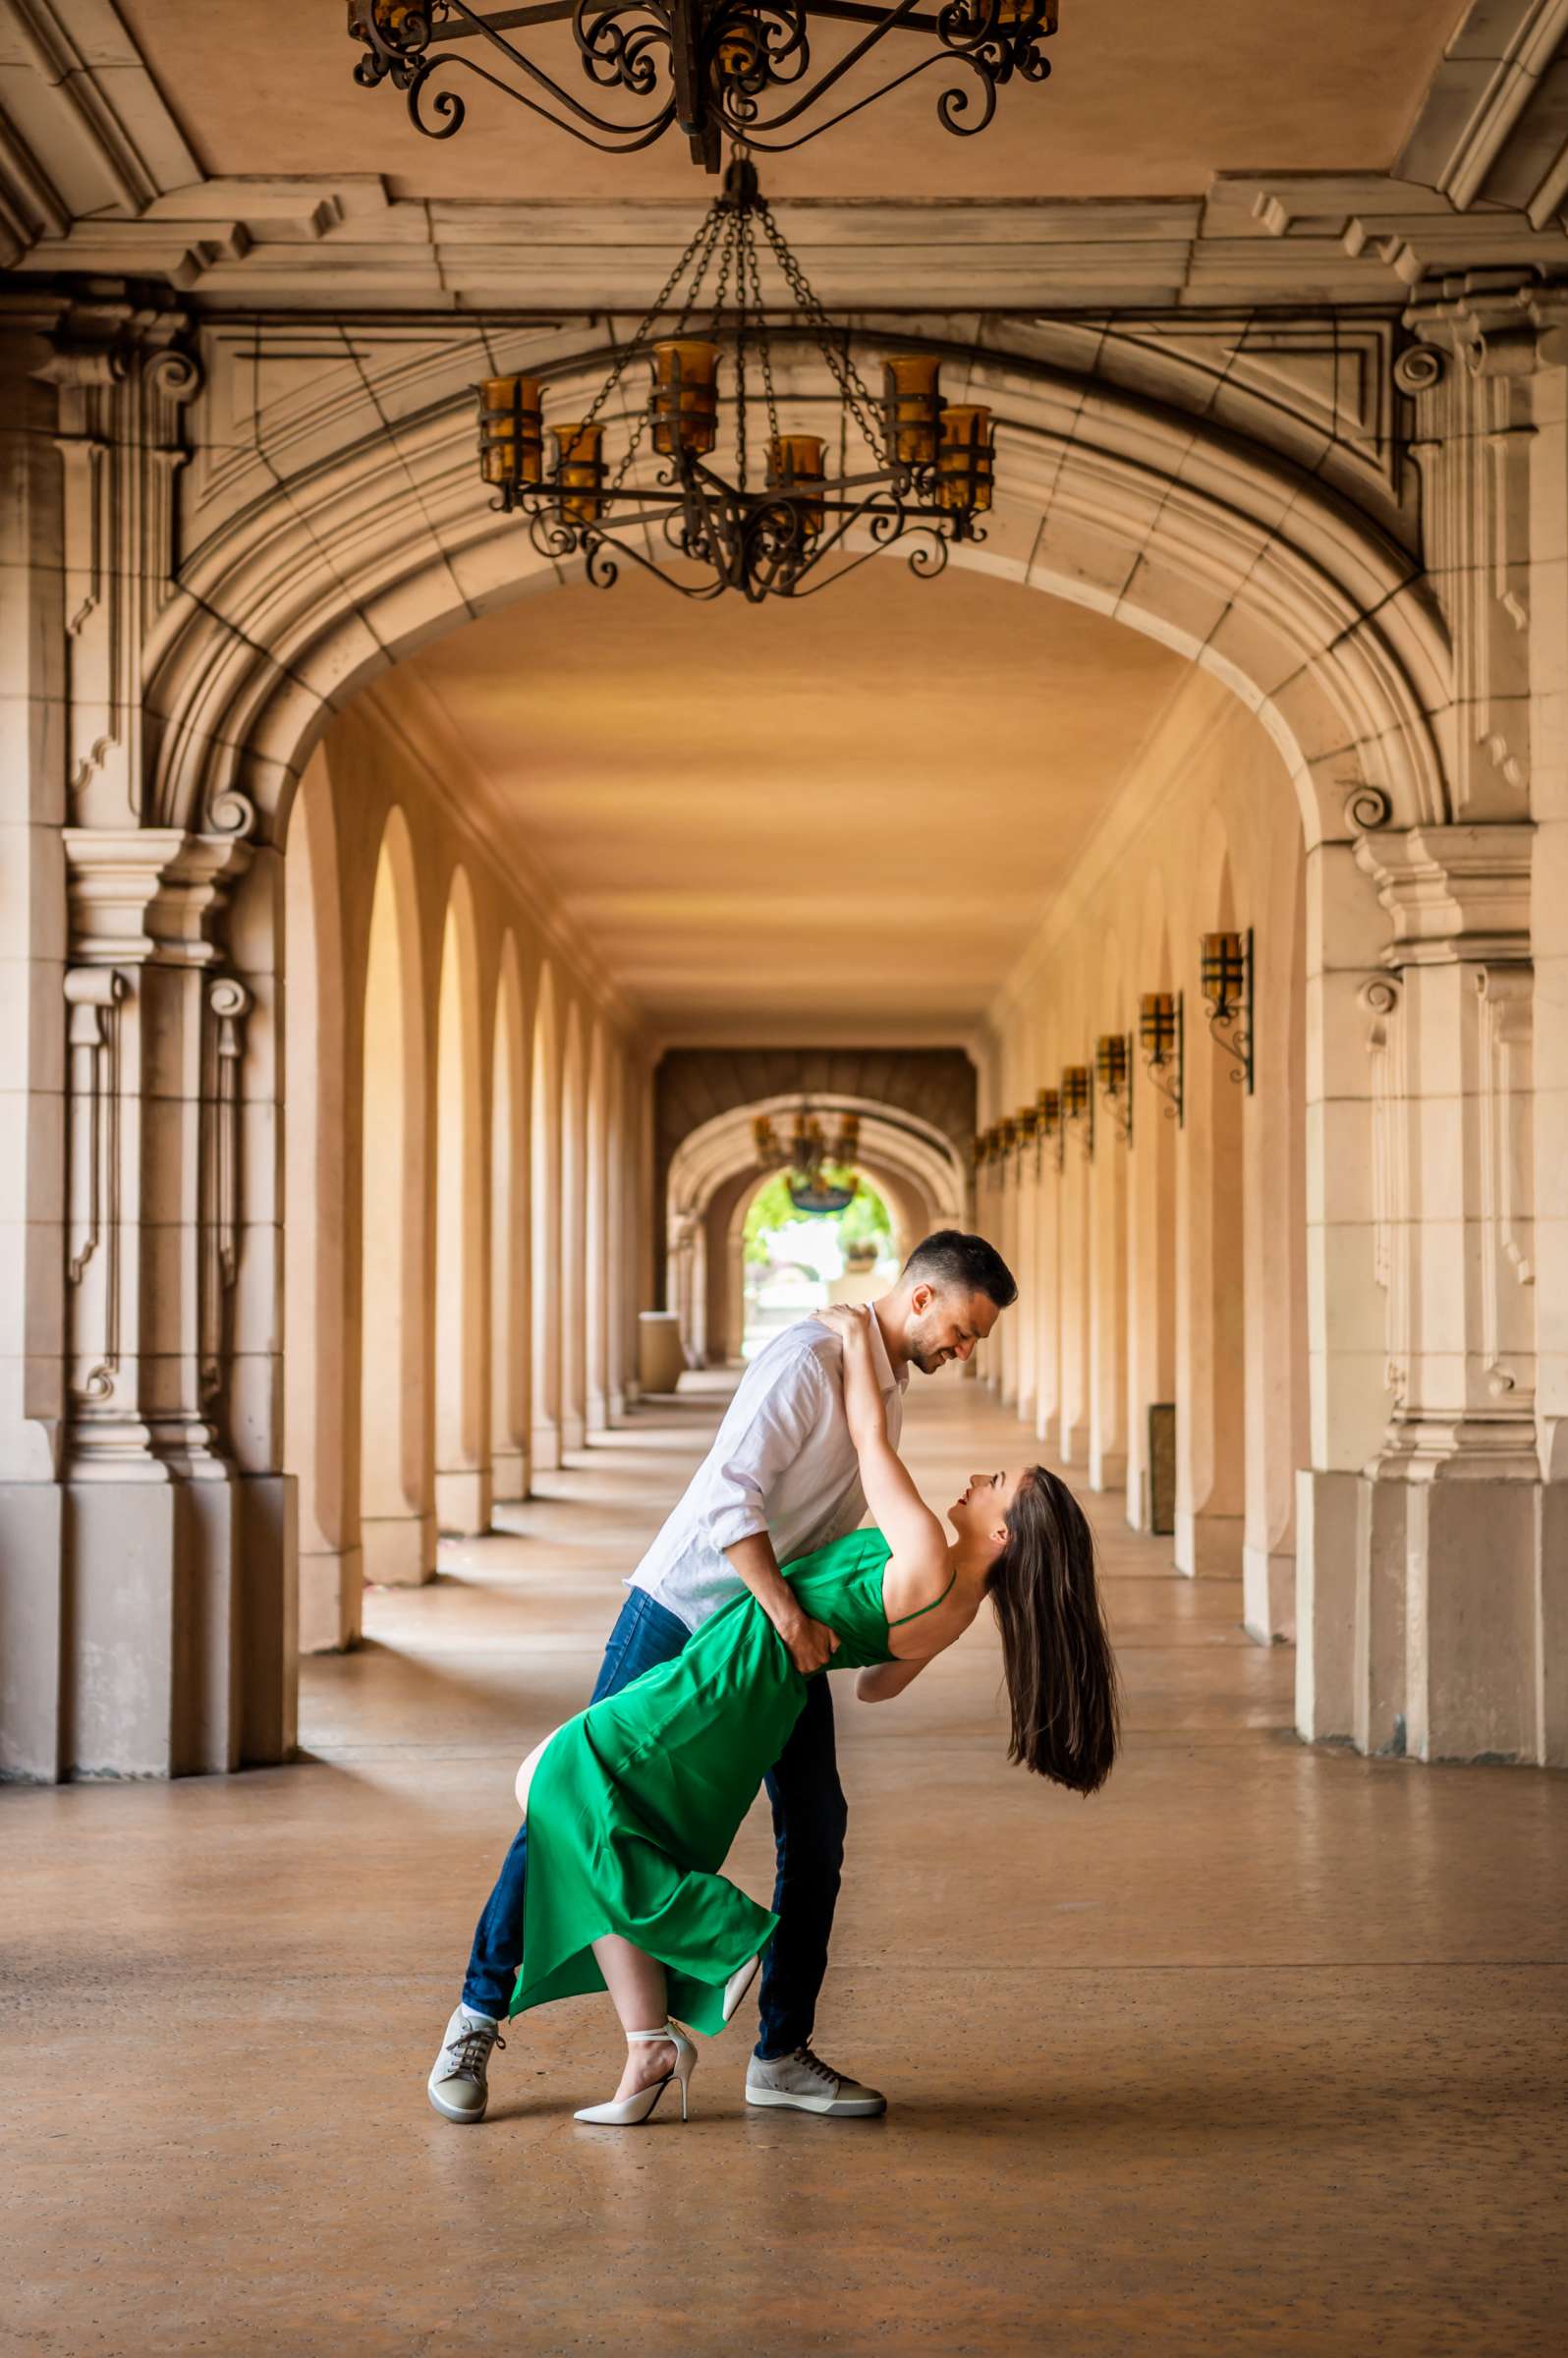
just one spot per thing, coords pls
(923, 474)
(708, 69)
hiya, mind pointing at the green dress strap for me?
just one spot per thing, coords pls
(925, 1608)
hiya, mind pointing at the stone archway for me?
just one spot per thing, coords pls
(1313, 611)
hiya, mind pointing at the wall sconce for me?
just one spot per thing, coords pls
(1007, 1139)
(1113, 1062)
(977, 1152)
(1078, 1102)
(1048, 1106)
(1225, 971)
(1160, 1033)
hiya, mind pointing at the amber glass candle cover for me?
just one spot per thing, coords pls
(685, 395)
(963, 460)
(580, 469)
(510, 412)
(794, 464)
(913, 385)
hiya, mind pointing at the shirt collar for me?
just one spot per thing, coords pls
(886, 1381)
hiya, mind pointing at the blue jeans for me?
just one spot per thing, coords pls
(808, 1822)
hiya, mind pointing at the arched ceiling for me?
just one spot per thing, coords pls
(843, 818)
(1145, 100)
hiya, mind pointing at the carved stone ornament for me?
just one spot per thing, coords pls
(1417, 368)
(123, 387)
(1365, 807)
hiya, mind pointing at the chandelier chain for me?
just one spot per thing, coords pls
(743, 250)
(764, 348)
(708, 227)
(850, 384)
(712, 225)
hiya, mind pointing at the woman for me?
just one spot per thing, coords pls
(631, 1807)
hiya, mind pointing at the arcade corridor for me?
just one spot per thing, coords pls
(1256, 2051)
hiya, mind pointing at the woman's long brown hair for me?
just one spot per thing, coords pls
(1061, 1673)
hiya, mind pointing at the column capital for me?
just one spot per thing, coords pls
(1494, 323)
(1452, 892)
(148, 895)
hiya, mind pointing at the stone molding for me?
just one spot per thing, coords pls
(96, 178)
(124, 388)
(1241, 557)
(1452, 892)
(1491, 128)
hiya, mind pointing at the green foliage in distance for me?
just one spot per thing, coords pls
(864, 1220)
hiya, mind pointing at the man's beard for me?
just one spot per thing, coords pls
(926, 1354)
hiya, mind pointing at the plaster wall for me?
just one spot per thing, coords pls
(1171, 1260)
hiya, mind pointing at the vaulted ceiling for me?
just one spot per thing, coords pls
(1144, 99)
(853, 810)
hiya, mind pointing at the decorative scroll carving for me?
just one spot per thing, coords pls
(229, 1002)
(92, 1220)
(1508, 1259)
(1367, 807)
(1417, 368)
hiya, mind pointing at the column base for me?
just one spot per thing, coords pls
(1209, 1546)
(399, 1550)
(1434, 1615)
(1107, 1468)
(1330, 1512)
(32, 1592)
(508, 1475)
(547, 1451)
(1072, 1441)
(1268, 1596)
(331, 1601)
(573, 1434)
(463, 1501)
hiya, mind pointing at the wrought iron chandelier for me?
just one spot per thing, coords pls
(929, 464)
(803, 1156)
(713, 69)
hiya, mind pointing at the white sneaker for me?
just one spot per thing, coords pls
(804, 2083)
(456, 2086)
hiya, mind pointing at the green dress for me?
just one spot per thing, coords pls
(636, 1802)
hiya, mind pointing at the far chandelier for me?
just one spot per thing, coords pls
(712, 69)
(926, 473)
(803, 1154)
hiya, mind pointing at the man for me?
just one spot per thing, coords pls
(780, 1480)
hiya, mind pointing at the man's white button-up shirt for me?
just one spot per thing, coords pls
(782, 1462)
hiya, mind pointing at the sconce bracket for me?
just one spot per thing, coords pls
(1231, 1027)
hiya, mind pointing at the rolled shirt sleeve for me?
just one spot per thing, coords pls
(782, 1422)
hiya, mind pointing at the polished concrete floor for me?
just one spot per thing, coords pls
(1261, 2049)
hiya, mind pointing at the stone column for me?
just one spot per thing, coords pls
(1107, 1280)
(152, 1247)
(33, 1611)
(1451, 1569)
(1349, 1267)
(1073, 1184)
(1047, 1312)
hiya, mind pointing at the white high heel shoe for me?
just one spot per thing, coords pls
(632, 2110)
(739, 1982)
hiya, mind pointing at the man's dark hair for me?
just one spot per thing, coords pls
(968, 1263)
